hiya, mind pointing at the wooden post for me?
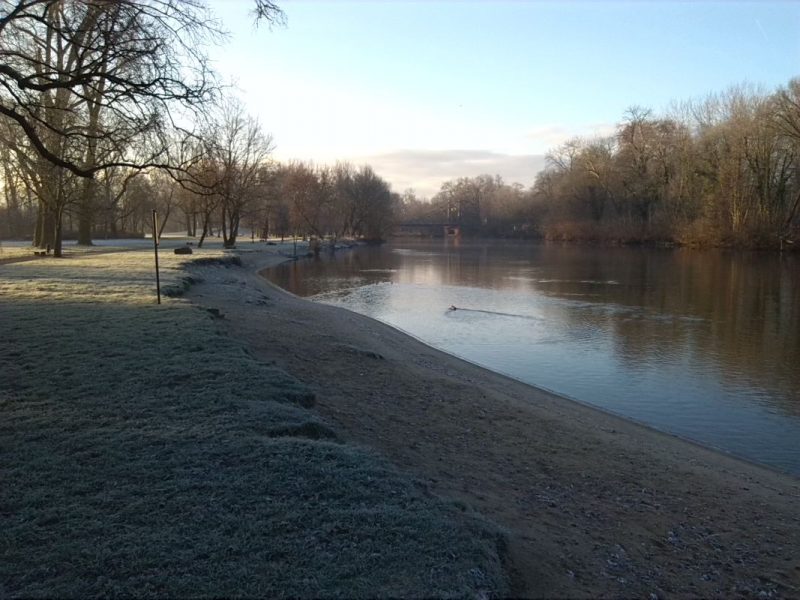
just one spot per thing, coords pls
(155, 249)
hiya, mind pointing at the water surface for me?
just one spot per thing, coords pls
(703, 344)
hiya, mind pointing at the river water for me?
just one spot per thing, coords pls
(702, 344)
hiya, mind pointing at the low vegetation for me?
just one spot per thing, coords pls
(144, 453)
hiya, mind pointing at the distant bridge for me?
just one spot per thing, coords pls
(429, 229)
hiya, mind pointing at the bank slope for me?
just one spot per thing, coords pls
(145, 453)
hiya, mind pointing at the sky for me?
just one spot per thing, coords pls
(428, 91)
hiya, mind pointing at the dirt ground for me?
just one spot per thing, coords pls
(593, 505)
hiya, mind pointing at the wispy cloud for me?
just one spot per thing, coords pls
(551, 135)
(426, 170)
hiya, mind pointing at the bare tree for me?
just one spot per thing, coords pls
(723, 170)
(269, 12)
(92, 85)
(302, 191)
(85, 80)
(364, 202)
(787, 120)
(140, 61)
(237, 150)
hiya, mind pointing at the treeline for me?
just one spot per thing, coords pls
(295, 200)
(328, 202)
(276, 200)
(91, 93)
(725, 170)
(483, 205)
(722, 171)
(109, 110)
(231, 182)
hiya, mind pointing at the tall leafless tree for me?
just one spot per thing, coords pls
(97, 84)
(237, 150)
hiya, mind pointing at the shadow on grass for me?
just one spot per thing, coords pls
(143, 453)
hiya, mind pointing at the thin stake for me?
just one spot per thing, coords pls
(155, 249)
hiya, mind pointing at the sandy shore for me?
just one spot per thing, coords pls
(594, 505)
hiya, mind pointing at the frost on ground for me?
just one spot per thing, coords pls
(119, 277)
(144, 453)
(17, 250)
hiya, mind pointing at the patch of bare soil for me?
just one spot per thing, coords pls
(594, 505)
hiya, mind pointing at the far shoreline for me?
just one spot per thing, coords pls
(788, 249)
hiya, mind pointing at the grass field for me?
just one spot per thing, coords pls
(142, 453)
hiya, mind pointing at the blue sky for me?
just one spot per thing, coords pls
(429, 91)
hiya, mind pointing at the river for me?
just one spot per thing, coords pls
(701, 344)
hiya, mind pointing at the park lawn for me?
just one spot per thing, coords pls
(16, 250)
(144, 453)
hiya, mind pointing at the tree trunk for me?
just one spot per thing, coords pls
(84, 229)
(206, 219)
(224, 227)
(13, 215)
(45, 227)
(86, 213)
(38, 234)
(164, 221)
(233, 229)
(57, 232)
(231, 243)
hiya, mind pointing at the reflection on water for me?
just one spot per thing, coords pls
(702, 344)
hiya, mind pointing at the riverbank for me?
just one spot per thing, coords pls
(593, 505)
(145, 453)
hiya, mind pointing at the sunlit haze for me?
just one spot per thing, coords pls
(430, 91)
